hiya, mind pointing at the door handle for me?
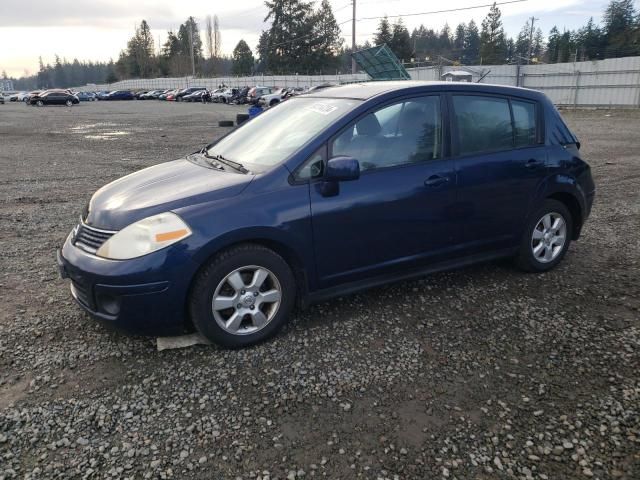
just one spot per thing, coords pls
(533, 163)
(436, 180)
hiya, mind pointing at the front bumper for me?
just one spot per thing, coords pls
(146, 295)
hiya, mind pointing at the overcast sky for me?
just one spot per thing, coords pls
(99, 29)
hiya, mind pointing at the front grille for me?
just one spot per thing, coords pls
(82, 294)
(91, 239)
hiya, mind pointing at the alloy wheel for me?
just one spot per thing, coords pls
(549, 237)
(246, 300)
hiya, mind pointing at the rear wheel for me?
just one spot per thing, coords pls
(546, 238)
(40, 103)
(243, 296)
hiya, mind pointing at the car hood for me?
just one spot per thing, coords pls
(161, 188)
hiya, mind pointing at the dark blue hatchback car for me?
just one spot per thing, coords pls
(326, 194)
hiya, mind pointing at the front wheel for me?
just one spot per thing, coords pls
(243, 296)
(40, 103)
(546, 238)
(69, 103)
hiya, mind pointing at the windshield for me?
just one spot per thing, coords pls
(279, 132)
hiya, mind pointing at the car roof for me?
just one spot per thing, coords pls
(367, 90)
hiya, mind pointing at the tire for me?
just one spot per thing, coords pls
(235, 326)
(241, 118)
(225, 123)
(69, 103)
(273, 102)
(550, 251)
(40, 103)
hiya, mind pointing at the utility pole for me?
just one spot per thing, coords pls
(193, 61)
(533, 20)
(353, 38)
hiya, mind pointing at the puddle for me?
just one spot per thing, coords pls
(92, 126)
(107, 135)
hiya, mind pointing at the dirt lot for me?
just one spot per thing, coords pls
(480, 373)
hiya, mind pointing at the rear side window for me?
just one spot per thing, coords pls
(524, 123)
(484, 123)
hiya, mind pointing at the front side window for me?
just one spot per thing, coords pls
(405, 132)
(484, 124)
(313, 167)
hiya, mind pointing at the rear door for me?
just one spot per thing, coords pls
(500, 160)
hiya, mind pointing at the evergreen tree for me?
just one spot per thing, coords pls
(566, 47)
(327, 39)
(242, 59)
(289, 37)
(384, 34)
(445, 41)
(401, 41)
(522, 43)
(458, 42)
(553, 45)
(492, 40)
(621, 28)
(591, 40)
(471, 53)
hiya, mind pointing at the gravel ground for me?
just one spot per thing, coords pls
(480, 373)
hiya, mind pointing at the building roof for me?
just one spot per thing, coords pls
(458, 73)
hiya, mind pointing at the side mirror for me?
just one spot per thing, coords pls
(342, 169)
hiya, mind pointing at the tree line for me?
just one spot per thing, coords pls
(307, 40)
(468, 43)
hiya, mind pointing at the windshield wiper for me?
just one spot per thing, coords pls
(226, 161)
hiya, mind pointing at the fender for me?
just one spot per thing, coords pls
(565, 184)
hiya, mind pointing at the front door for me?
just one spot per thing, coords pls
(398, 212)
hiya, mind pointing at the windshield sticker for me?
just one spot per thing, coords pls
(322, 108)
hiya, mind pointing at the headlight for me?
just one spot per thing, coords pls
(145, 236)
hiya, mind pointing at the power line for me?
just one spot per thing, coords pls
(437, 11)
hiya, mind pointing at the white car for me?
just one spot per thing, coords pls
(271, 99)
(225, 95)
(215, 94)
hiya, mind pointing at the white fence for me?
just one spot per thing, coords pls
(603, 83)
(613, 82)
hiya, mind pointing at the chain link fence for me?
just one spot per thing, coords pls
(613, 82)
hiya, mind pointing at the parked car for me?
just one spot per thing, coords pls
(103, 94)
(322, 86)
(159, 93)
(256, 92)
(240, 97)
(338, 190)
(187, 91)
(138, 94)
(86, 96)
(167, 93)
(18, 96)
(199, 96)
(271, 99)
(224, 95)
(119, 95)
(150, 95)
(2, 98)
(53, 97)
